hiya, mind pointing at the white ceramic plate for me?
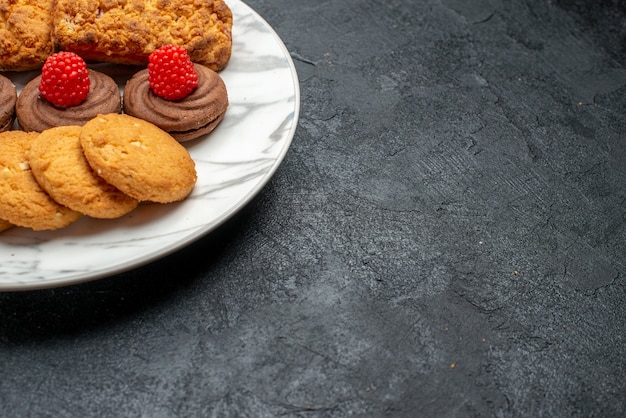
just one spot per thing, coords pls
(233, 162)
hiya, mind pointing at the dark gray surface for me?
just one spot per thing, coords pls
(446, 237)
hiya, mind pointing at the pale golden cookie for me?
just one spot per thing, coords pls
(138, 158)
(59, 166)
(22, 201)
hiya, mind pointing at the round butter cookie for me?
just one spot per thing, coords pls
(22, 201)
(138, 158)
(59, 166)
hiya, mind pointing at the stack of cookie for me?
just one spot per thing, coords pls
(103, 169)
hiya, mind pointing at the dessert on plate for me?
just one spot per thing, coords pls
(185, 99)
(66, 93)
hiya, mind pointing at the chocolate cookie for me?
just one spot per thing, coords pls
(185, 119)
(37, 114)
(7, 104)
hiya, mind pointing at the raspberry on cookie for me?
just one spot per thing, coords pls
(66, 93)
(171, 73)
(187, 100)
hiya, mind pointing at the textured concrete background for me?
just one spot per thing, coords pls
(446, 237)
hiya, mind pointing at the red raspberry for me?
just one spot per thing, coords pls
(171, 73)
(64, 79)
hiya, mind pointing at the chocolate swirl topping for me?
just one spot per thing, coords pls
(184, 119)
(7, 104)
(37, 114)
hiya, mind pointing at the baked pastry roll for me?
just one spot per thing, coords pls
(126, 32)
(25, 34)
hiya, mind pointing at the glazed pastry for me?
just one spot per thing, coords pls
(37, 114)
(7, 104)
(185, 119)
